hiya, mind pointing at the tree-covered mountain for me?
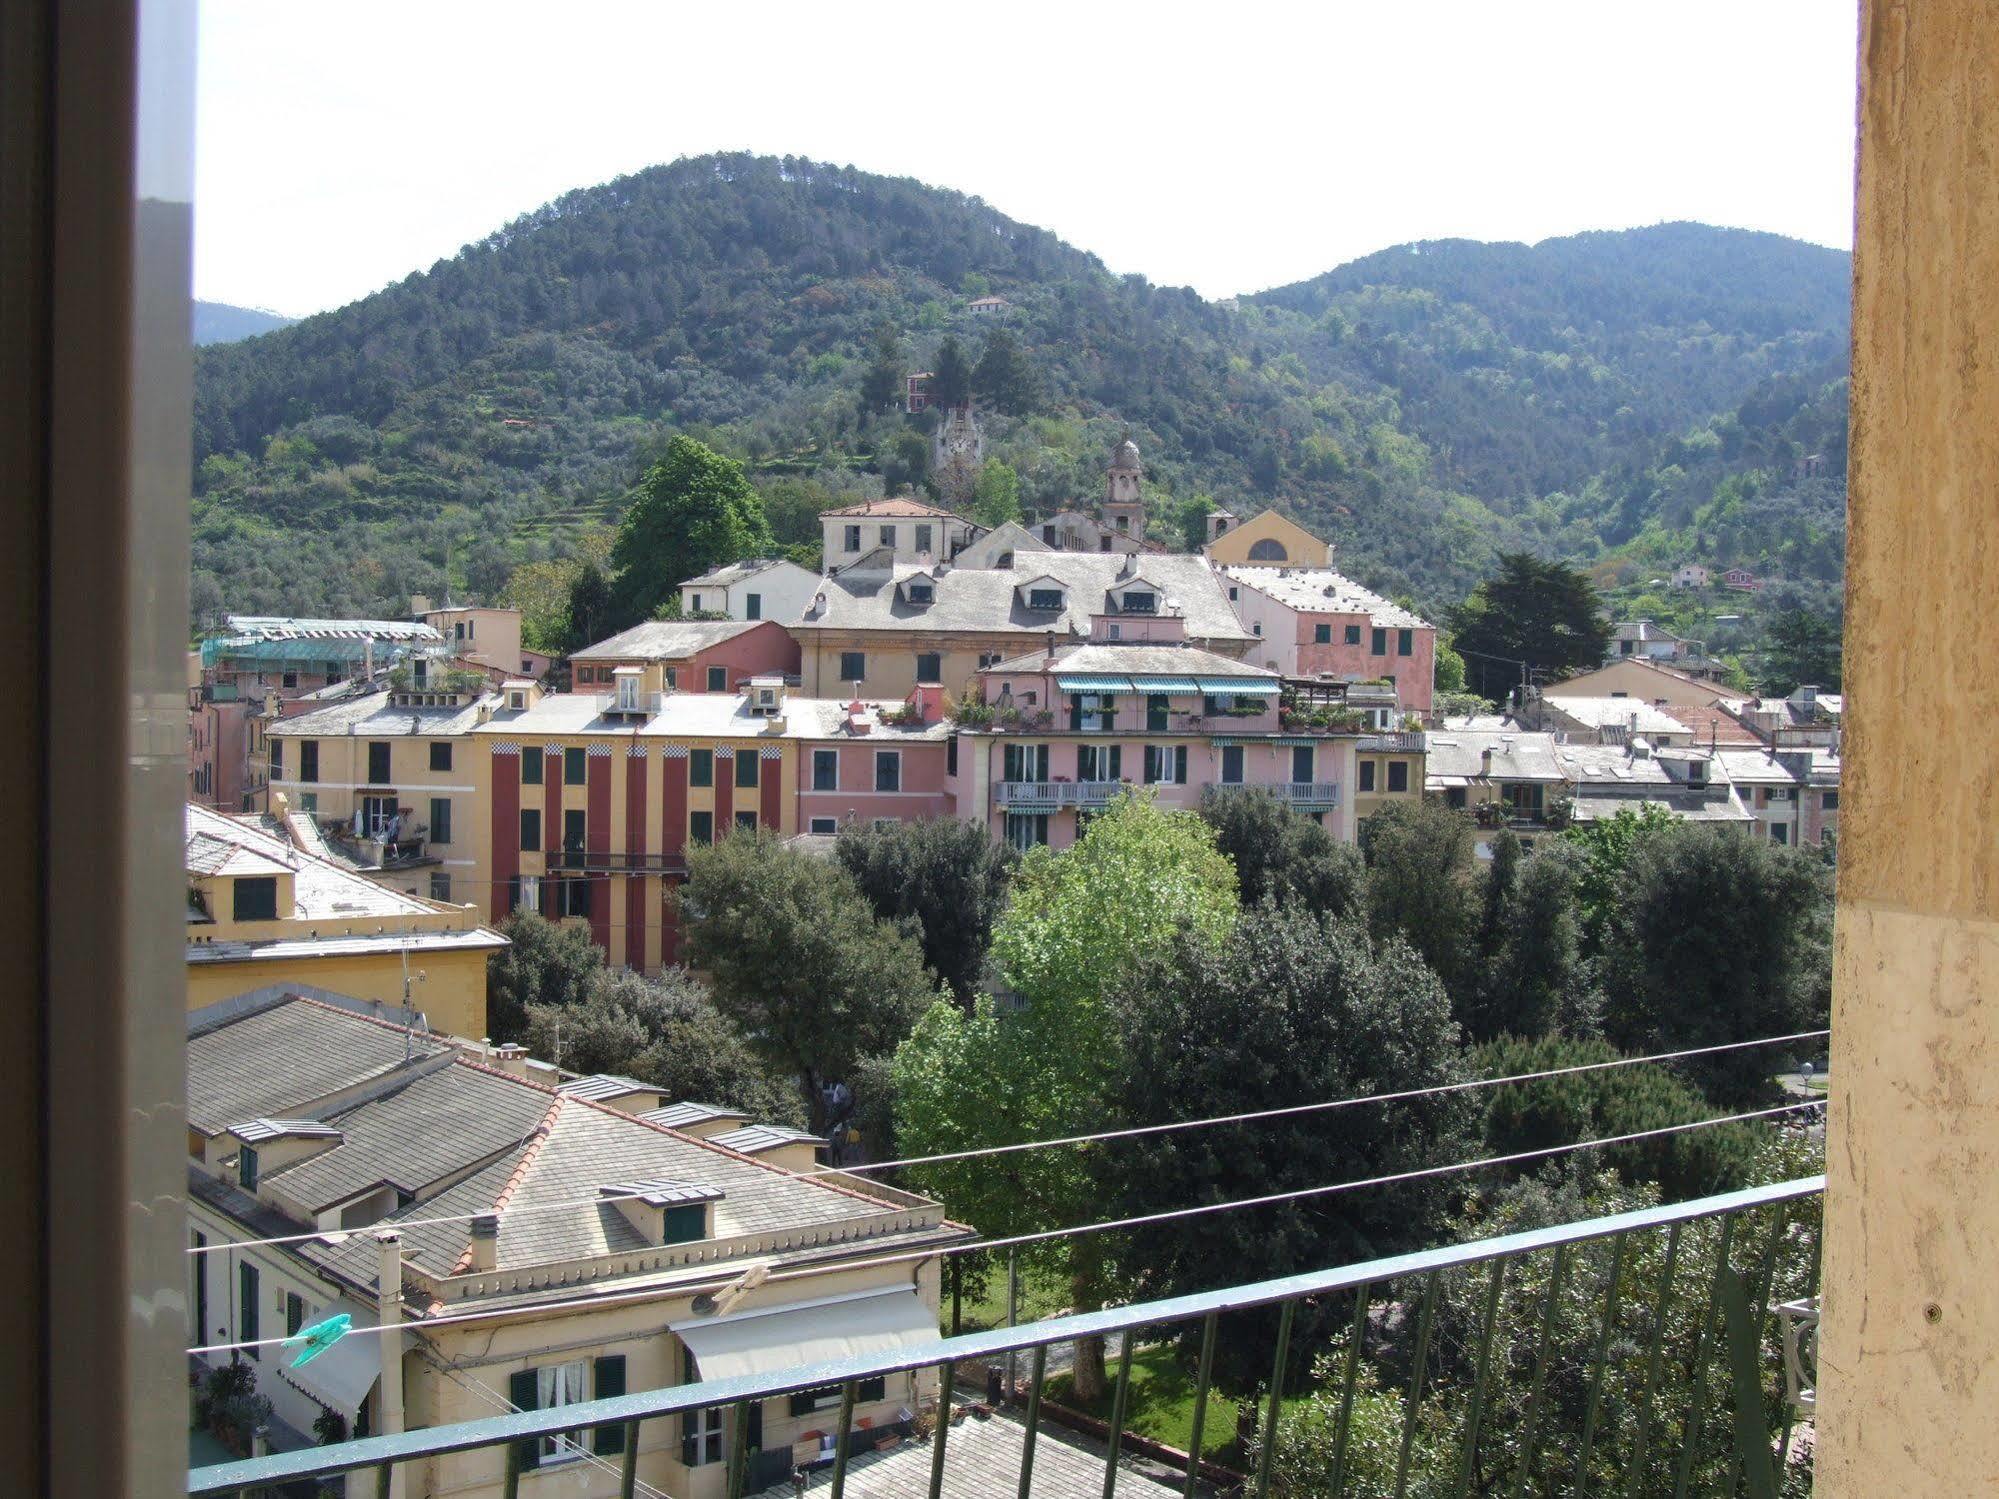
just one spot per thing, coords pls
(1424, 407)
(221, 323)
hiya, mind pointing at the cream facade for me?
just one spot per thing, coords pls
(1266, 540)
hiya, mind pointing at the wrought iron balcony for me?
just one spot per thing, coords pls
(589, 861)
(1053, 796)
(1314, 795)
(1641, 1356)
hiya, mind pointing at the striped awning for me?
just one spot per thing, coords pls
(1239, 686)
(1293, 741)
(1103, 686)
(1165, 684)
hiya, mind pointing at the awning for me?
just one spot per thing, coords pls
(1165, 684)
(1239, 686)
(1441, 782)
(765, 1342)
(1100, 685)
(342, 1376)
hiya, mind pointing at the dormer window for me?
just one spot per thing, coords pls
(517, 700)
(922, 593)
(1044, 598)
(246, 1168)
(1141, 601)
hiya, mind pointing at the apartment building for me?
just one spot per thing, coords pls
(773, 588)
(483, 636)
(911, 530)
(687, 655)
(1792, 793)
(265, 914)
(1312, 622)
(444, 1181)
(1505, 778)
(1692, 784)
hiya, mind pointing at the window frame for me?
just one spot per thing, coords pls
(383, 748)
(253, 882)
(883, 760)
(1235, 765)
(308, 761)
(1398, 770)
(439, 827)
(575, 765)
(825, 757)
(717, 679)
(746, 775)
(1322, 633)
(531, 766)
(701, 768)
(934, 668)
(1368, 775)
(701, 828)
(857, 660)
(440, 754)
(530, 830)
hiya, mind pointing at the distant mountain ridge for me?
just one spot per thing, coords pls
(222, 323)
(1420, 407)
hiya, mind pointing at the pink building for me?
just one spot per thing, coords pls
(1072, 727)
(689, 655)
(1313, 622)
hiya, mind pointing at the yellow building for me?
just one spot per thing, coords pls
(264, 916)
(1266, 540)
(1387, 768)
(1644, 681)
(307, 1114)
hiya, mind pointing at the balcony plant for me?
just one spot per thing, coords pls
(903, 715)
(970, 712)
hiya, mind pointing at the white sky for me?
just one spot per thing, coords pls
(1229, 148)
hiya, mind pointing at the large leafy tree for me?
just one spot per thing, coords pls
(1291, 1008)
(996, 497)
(1282, 856)
(798, 960)
(1715, 939)
(1607, 845)
(951, 381)
(1078, 923)
(1420, 886)
(881, 383)
(693, 510)
(543, 964)
(1005, 377)
(946, 878)
(1543, 614)
(1530, 977)
(589, 607)
(664, 1031)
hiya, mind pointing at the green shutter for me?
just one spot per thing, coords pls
(608, 1379)
(525, 1393)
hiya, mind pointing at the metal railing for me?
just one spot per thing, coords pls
(1050, 796)
(1592, 1358)
(638, 705)
(1403, 741)
(586, 861)
(1297, 793)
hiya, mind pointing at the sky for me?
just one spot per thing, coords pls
(1227, 148)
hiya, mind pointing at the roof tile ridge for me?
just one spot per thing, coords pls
(530, 1153)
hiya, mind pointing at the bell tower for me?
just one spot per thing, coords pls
(1124, 498)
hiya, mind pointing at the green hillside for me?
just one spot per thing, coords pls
(1422, 407)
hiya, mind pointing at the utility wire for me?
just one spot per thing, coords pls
(338, 1236)
(1548, 1152)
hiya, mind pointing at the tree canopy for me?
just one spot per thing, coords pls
(945, 878)
(693, 510)
(1281, 855)
(1543, 614)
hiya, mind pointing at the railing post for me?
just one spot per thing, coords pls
(1752, 1442)
(946, 1372)
(1690, 1438)
(1416, 1383)
(1012, 1311)
(628, 1473)
(1116, 1438)
(1468, 1460)
(847, 1393)
(1359, 1336)
(1602, 1357)
(1037, 1372)
(1530, 1439)
(1202, 1375)
(1269, 1453)
(1636, 1467)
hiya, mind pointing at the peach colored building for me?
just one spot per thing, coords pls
(688, 655)
(1313, 622)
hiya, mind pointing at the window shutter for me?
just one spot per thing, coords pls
(1179, 764)
(1116, 772)
(608, 1379)
(521, 1390)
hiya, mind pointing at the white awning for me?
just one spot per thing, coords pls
(765, 1342)
(342, 1376)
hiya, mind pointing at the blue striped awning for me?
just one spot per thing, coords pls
(1240, 686)
(1165, 684)
(1101, 685)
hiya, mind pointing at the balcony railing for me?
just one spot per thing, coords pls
(1396, 741)
(1315, 794)
(1052, 796)
(637, 705)
(586, 861)
(1641, 1356)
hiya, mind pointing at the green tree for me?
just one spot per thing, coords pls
(1530, 977)
(1006, 378)
(542, 964)
(907, 461)
(1717, 938)
(589, 607)
(1078, 923)
(1545, 614)
(1281, 855)
(664, 1031)
(798, 960)
(882, 382)
(1419, 885)
(951, 381)
(1804, 650)
(1291, 1006)
(1450, 673)
(693, 510)
(996, 500)
(943, 878)
(1607, 844)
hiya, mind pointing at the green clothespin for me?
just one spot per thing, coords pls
(317, 1338)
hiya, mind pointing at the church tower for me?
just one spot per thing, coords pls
(1124, 499)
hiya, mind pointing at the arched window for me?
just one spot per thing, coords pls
(1268, 550)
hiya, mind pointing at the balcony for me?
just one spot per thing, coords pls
(588, 861)
(1053, 796)
(1391, 742)
(1644, 1353)
(1313, 795)
(628, 704)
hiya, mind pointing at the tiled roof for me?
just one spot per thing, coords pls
(1143, 660)
(753, 1139)
(1714, 725)
(1617, 713)
(321, 890)
(977, 600)
(1320, 590)
(601, 1086)
(901, 505)
(667, 639)
(372, 715)
(680, 1115)
(1516, 755)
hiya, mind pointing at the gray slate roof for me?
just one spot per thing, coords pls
(753, 1139)
(370, 715)
(1516, 755)
(1164, 660)
(275, 1061)
(666, 639)
(680, 1115)
(1320, 590)
(974, 600)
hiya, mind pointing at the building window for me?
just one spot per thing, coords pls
(294, 1313)
(701, 767)
(853, 666)
(555, 1385)
(378, 763)
(1257, 629)
(888, 770)
(746, 822)
(440, 756)
(1405, 642)
(746, 767)
(440, 884)
(923, 538)
(951, 756)
(1231, 765)
(1025, 830)
(988, 658)
(308, 760)
(246, 1168)
(1378, 643)
(1398, 775)
(701, 1439)
(248, 1291)
(571, 898)
(701, 827)
(1024, 763)
(1829, 801)
(825, 770)
(1352, 635)
(531, 766)
(1165, 764)
(1044, 598)
(718, 679)
(308, 801)
(1779, 833)
(526, 892)
(575, 767)
(1141, 601)
(1301, 764)
(291, 679)
(530, 831)
(823, 825)
(753, 606)
(573, 826)
(672, 679)
(440, 819)
(805, 1402)
(888, 536)
(255, 898)
(853, 539)
(1322, 634)
(277, 759)
(929, 666)
(1367, 775)
(588, 674)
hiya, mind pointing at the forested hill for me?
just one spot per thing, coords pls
(221, 323)
(1420, 407)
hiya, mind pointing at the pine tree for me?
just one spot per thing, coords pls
(951, 382)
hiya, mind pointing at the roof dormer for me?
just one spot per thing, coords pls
(1043, 595)
(1138, 594)
(919, 590)
(666, 1212)
(264, 1145)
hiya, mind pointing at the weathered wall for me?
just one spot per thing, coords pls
(1908, 1380)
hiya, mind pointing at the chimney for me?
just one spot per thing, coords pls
(1051, 648)
(511, 1057)
(1485, 761)
(485, 1243)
